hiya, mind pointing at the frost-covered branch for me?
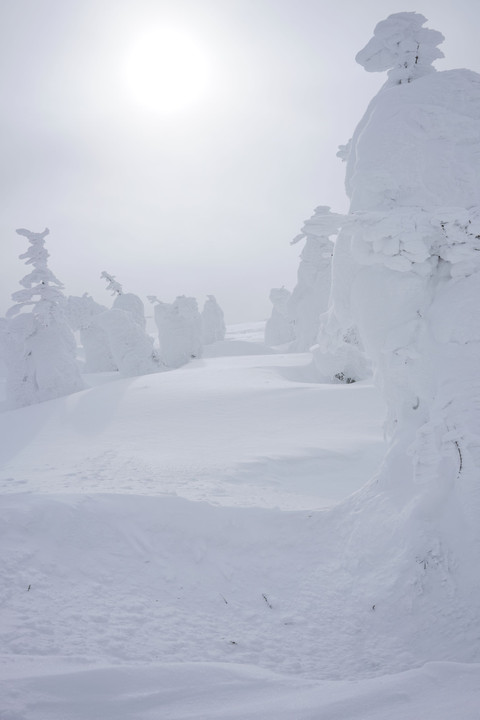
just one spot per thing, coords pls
(113, 286)
(401, 45)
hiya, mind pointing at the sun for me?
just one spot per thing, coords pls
(167, 70)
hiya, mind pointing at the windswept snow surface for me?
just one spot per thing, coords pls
(170, 549)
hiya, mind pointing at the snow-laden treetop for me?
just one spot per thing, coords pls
(401, 45)
(322, 224)
(114, 286)
(42, 288)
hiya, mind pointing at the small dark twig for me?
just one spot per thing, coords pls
(267, 601)
(455, 442)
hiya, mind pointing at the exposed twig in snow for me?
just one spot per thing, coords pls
(267, 601)
(455, 442)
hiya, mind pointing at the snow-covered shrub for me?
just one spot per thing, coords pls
(39, 347)
(338, 355)
(279, 326)
(213, 322)
(311, 294)
(179, 330)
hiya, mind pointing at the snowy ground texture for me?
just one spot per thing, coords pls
(168, 550)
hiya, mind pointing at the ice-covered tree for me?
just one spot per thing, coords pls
(409, 275)
(213, 321)
(39, 347)
(311, 294)
(401, 45)
(113, 286)
(179, 330)
(79, 311)
(339, 354)
(83, 316)
(124, 327)
(279, 326)
(406, 49)
(130, 347)
(125, 301)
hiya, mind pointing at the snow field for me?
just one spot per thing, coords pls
(229, 430)
(172, 546)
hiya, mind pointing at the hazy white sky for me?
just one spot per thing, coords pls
(204, 200)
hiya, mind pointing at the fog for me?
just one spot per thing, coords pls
(204, 199)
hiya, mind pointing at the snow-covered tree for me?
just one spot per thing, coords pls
(113, 286)
(39, 347)
(179, 330)
(124, 327)
(130, 347)
(279, 326)
(79, 311)
(339, 354)
(125, 301)
(213, 321)
(83, 316)
(311, 294)
(401, 45)
(408, 275)
(96, 346)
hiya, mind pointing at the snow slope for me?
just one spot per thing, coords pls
(172, 547)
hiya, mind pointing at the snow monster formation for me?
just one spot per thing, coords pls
(408, 274)
(311, 294)
(179, 330)
(279, 326)
(39, 348)
(123, 326)
(213, 321)
(82, 314)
